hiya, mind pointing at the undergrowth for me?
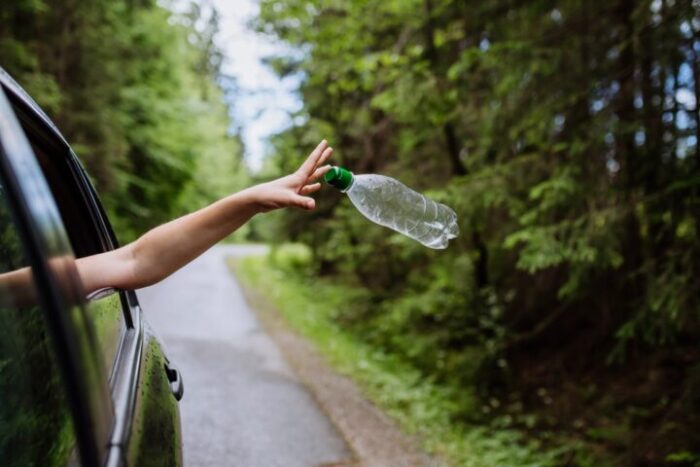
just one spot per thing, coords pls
(420, 406)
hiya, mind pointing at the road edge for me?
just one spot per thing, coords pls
(373, 436)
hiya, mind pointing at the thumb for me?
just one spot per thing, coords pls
(304, 202)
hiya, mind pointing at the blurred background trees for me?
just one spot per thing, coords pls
(565, 134)
(133, 87)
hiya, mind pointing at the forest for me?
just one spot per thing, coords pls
(137, 91)
(563, 133)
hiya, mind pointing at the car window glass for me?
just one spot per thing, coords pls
(105, 307)
(35, 422)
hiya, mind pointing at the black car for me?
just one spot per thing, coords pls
(83, 380)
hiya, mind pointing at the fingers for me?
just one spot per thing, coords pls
(320, 172)
(308, 189)
(311, 162)
(311, 172)
(304, 202)
(324, 157)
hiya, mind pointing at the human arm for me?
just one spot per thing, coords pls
(17, 288)
(166, 248)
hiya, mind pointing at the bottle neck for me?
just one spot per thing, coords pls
(349, 187)
(339, 177)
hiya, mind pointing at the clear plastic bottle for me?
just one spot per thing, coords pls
(392, 204)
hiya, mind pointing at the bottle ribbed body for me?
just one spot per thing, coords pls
(392, 204)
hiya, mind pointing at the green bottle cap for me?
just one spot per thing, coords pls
(339, 177)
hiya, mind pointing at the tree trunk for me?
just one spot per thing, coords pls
(451, 140)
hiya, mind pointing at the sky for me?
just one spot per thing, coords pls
(263, 104)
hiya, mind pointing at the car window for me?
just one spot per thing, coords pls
(81, 219)
(105, 309)
(35, 422)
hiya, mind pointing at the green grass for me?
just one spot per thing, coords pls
(420, 407)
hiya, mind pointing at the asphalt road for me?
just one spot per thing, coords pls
(243, 405)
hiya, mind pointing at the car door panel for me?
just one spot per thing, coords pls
(157, 419)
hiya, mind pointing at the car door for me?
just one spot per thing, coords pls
(144, 427)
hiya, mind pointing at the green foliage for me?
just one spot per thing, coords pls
(566, 137)
(683, 458)
(133, 87)
(292, 258)
(420, 405)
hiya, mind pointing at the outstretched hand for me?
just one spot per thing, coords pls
(166, 248)
(294, 189)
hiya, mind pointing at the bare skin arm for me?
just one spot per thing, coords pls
(16, 288)
(167, 248)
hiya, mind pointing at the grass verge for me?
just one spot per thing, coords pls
(419, 406)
